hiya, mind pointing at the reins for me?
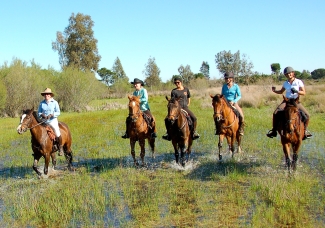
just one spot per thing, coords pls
(225, 118)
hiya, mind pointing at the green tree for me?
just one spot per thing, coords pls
(186, 73)
(318, 73)
(225, 61)
(246, 67)
(200, 75)
(118, 71)
(275, 68)
(305, 74)
(205, 69)
(108, 76)
(152, 72)
(77, 46)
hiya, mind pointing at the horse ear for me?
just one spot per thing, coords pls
(129, 97)
(167, 98)
(211, 96)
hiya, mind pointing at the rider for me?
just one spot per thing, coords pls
(231, 92)
(184, 93)
(293, 87)
(144, 106)
(49, 110)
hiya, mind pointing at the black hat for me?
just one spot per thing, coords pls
(178, 78)
(136, 81)
(288, 70)
(229, 75)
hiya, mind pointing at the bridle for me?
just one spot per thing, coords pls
(221, 116)
(172, 118)
(134, 116)
(27, 122)
(293, 119)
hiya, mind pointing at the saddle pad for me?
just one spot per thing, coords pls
(50, 132)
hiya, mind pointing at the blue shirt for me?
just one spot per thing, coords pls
(143, 95)
(49, 108)
(231, 94)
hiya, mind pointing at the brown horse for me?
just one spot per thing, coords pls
(138, 129)
(178, 129)
(42, 144)
(226, 122)
(291, 130)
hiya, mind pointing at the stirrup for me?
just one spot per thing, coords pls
(307, 135)
(166, 137)
(153, 135)
(271, 134)
(195, 135)
(125, 136)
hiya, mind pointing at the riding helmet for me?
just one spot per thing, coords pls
(288, 70)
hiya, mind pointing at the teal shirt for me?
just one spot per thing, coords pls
(232, 94)
(143, 95)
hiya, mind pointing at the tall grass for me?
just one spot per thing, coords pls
(106, 190)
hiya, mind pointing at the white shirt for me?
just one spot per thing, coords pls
(297, 83)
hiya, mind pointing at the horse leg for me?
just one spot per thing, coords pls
(53, 160)
(286, 151)
(132, 144)
(36, 159)
(189, 149)
(142, 144)
(220, 145)
(47, 162)
(183, 150)
(152, 146)
(176, 151)
(238, 137)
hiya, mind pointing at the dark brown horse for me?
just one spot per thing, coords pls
(178, 129)
(42, 144)
(226, 122)
(138, 129)
(291, 130)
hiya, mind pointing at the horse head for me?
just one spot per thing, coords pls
(134, 107)
(218, 104)
(291, 113)
(174, 109)
(25, 121)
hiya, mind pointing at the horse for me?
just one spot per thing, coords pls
(291, 129)
(139, 129)
(42, 144)
(178, 129)
(227, 124)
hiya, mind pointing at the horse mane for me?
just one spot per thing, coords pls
(35, 114)
(219, 97)
(134, 98)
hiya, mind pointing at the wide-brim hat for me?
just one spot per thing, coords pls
(47, 90)
(136, 81)
(229, 75)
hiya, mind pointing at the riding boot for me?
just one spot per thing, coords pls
(153, 127)
(166, 136)
(127, 122)
(272, 133)
(307, 134)
(61, 152)
(195, 134)
(241, 125)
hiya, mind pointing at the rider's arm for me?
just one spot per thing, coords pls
(279, 91)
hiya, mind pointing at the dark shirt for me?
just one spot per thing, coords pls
(184, 94)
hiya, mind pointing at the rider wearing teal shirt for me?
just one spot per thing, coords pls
(144, 107)
(231, 92)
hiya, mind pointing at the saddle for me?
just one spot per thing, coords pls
(51, 134)
(188, 118)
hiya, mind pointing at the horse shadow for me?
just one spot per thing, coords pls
(213, 170)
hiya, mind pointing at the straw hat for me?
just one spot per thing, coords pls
(47, 90)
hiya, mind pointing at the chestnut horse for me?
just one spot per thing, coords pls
(138, 129)
(178, 130)
(291, 129)
(42, 144)
(226, 122)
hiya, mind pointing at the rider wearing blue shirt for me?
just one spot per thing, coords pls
(231, 92)
(49, 110)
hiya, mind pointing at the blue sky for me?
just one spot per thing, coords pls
(174, 32)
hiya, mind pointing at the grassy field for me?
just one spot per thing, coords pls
(106, 190)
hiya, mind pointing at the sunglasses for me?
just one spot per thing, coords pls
(177, 83)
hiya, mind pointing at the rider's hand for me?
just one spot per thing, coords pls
(43, 116)
(49, 116)
(293, 90)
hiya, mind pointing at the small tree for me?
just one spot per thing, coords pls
(225, 61)
(318, 73)
(186, 73)
(118, 71)
(205, 69)
(152, 73)
(77, 46)
(108, 76)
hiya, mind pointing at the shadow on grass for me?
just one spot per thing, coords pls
(209, 170)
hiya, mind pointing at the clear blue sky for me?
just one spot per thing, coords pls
(174, 32)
